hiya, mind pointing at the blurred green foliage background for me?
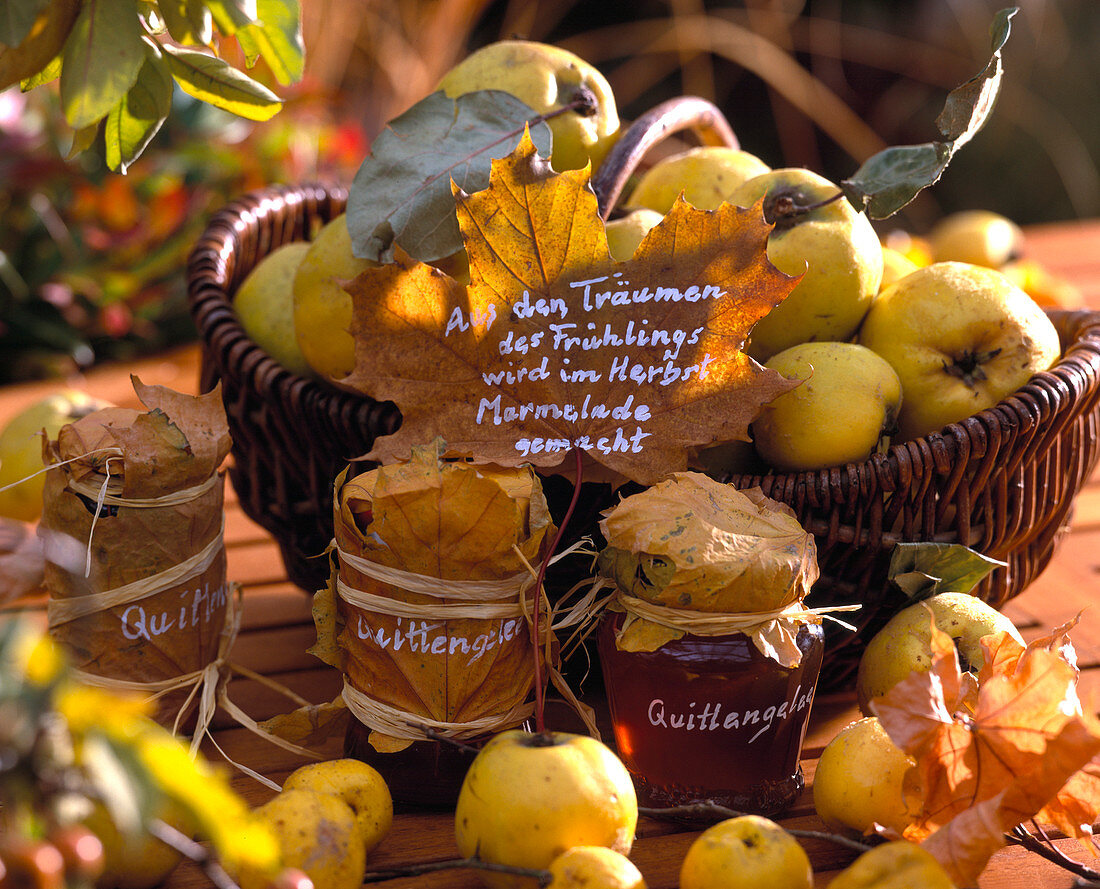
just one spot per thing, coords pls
(92, 263)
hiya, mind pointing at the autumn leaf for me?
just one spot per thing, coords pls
(987, 762)
(554, 346)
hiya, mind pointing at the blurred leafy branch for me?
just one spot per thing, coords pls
(116, 60)
(92, 263)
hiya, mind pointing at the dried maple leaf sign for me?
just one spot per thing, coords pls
(554, 346)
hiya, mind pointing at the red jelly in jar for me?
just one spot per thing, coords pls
(710, 718)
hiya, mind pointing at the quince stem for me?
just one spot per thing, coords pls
(783, 209)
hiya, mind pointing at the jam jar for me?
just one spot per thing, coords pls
(710, 718)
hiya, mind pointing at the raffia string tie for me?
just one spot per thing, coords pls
(64, 610)
(701, 623)
(102, 495)
(398, 723)
(203, 682)
(479, 600)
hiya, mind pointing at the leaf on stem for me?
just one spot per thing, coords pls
(401, 195)
(132, 123)
(188, 21)
(101, 60)
(277, 37)
(17, 17)
(923, 569)
(212, 80)
(231, 15)
(889, 180)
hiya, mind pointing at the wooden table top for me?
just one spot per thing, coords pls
(277, 629)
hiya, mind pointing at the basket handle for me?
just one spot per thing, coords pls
(675, 115)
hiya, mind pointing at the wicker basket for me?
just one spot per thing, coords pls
(291, 436)
(1002, 481)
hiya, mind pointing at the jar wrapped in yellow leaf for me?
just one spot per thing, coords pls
(710, 657)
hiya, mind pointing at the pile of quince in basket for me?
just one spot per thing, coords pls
(894, 334)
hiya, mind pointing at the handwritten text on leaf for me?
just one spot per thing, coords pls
(554, 346)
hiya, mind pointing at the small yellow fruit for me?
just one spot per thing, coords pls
(913, 247)
(317, 833)
(844, 411)
(21, 449)
(265, 304)
(859, 778)
(747, 852)
(528, 797)
(895, 865)
(358, 785)
(707, 176)
(981, 237)
(1047, 289)
(904, 645)
(322, 308)
(626, 233)
(822, 237)
(961, 337)
(545, 78)
(594, 867)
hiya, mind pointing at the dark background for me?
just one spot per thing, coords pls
(891, 63)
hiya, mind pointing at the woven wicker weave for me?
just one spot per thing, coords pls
(1003, 481)
(291, 435)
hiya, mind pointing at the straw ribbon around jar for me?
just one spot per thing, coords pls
(773, 632)
(479, 600)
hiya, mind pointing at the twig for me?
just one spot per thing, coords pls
(708, 811)
(1020, 836)
(436, 735)
(196, 852)
(416, 870)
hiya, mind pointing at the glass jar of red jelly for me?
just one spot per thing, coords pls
(710, 718)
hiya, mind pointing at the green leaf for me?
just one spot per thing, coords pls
(136, 119)
(212, 80)
(83, 139)
(17, 17)
(101, 60)
(277, 36)
(229, 15)
(925, 569)
(188, 21)
(889, 180)
(402, 192)
(968, 106)
(50, 73)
